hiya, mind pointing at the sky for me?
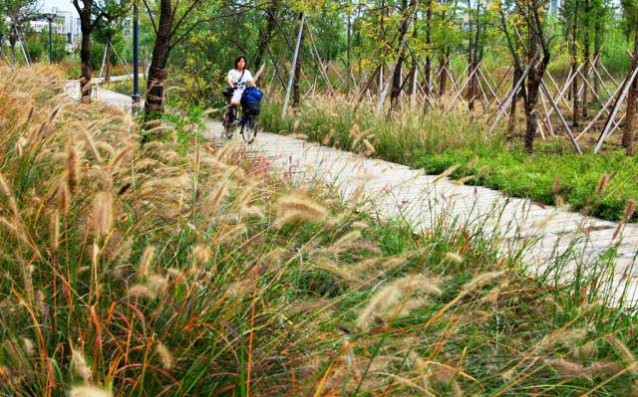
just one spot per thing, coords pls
(62, 5)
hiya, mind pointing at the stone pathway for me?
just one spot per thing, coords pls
(551, 240)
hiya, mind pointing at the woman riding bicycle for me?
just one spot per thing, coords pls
(237, 79)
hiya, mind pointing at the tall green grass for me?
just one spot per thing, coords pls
(187, 269)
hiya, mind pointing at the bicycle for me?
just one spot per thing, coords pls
(246, 120)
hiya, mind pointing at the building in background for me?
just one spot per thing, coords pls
(554, 6)
(66, 23)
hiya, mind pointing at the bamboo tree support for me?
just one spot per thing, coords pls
(508, 99)
(470, 77)
(103, 60)
(602, 82)
(558, 89)
(129, 72)
(560, 116)
(371, 79)
(600, 113)
(489, 86)
(500, 84)
(322, 69)
(608, 74)
(292, 69)
(548, 120)
(592, 89)
(606, 131)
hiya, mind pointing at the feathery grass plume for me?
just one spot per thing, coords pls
(386, 303)
(28, 346)
(79, 364)
(347, 240)
(120, 158)
(7, 191)
(446, 173)
(72, 168)
(165, 356)
(64, 197)
(89, 391)
(102, 215)
(20, 145)
(369, 149)
(229, 234)
(603, 182)
(141, 291)
(336, 270)
(295, 208)
(360, 225)
(54, 230)
(630, 209)
(481, 280)
(145, 263)
(567, 368)
(454, 257)
(624, 352)
(543, 223)
(464, 180)
(202, 254)
(211, 204)
(570, 337)
(91, 143)
(556, 185)
(570, 369)
(157, 284)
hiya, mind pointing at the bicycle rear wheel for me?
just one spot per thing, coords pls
(249, 130)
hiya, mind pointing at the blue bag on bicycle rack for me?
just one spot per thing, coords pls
(250, 100)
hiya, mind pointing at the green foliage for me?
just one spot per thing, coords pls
(438, 141)
(38, 46)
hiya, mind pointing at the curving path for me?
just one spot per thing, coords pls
(550, 240)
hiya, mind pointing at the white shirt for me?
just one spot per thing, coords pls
(238, 80)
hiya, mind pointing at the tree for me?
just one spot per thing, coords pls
(531, 14)
(109, 21)
(630, 8)
(89, 17)
(172, 22)
(18, 13)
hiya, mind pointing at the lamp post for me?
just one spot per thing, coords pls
(50, 16)
(136, 41)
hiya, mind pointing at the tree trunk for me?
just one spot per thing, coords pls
(396, 85)
(445, 61)
(628, 132)
(398, 70)
(157, 74)
(349, 46)
(107, 60)
(534, 80)
(265, 34)
(428, 43)
(598, 41)
(586, 60)
(511, 124)
(585, 73)
(296, 95)
(85, 59)
(574, 54)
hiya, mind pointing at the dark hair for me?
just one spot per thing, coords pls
(239, 59)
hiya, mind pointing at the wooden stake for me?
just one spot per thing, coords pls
(562, 119)
(625, 91)
(292, 69)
